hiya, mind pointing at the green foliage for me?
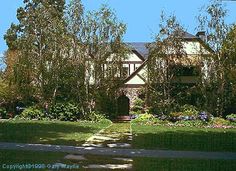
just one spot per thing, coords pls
(95, 116)
(189, 110)
(3, 113)
(160, 64)
(53, 64)
(219, 122)
(32, 113)
(106, 104)
(186, 112)
(176, 114)
(231, 117)
(138, 107)
(7, 93)
(146, 119)
(11, 37)
(192, 123)
(64, 112)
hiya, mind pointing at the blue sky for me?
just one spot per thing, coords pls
(141, 16)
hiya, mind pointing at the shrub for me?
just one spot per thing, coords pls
(219, 122)
(3, 113)
(205, 116)
(193, 123)
(64, 112)
(146, 119)
(176, 114)
(231, 117)
(189, 110)
(32, 113)
(138, 107)
(95, 116)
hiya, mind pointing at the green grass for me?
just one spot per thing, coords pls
(153, 164)
(14, 157)
(118, 128)
(142, 164)
(183, 138)
(18, 156)
(159, 164)
(45, 132)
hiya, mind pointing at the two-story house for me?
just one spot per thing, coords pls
(135, 66)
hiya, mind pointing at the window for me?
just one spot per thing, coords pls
(125, 72)
(179, 70)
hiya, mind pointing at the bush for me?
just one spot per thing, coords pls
(189, 110)
(219, 122)
(146, 119)
(32, 113)
(138, 107)
(193, 123)
(95, 116)
(3, 113)
(64, 112)
(205, 116)
(231, 117)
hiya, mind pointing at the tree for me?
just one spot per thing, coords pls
(229, 52)
(166, 52)
(103, 40)
(215, 83)
(40, 37)
(64, 54)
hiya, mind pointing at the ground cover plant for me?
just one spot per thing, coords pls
(49, 132)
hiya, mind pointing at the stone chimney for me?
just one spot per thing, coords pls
(201, 35)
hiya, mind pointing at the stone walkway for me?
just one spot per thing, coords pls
(118, 135)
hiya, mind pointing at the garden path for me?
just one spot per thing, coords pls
(118, 135)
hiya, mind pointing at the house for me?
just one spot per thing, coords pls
(136, 69)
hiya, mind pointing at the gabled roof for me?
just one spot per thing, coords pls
(187, 35)
(139, 47)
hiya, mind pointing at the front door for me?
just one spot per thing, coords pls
(123, 106)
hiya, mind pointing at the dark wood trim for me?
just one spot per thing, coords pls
(129, 69)
(141, 78)
(132, 62)
(135, 72)
(138, 54)
(133, 85)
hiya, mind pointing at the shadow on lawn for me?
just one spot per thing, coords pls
(195, 140)
(183, 164)
(46, 132)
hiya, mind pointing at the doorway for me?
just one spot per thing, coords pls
(123, 105)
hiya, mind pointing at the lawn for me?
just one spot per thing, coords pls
(154, 164)
(10, 157)
(42, 160)
(48, 132)
(18, 156)
(183, 138)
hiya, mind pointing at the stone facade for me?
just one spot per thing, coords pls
(131, 93)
